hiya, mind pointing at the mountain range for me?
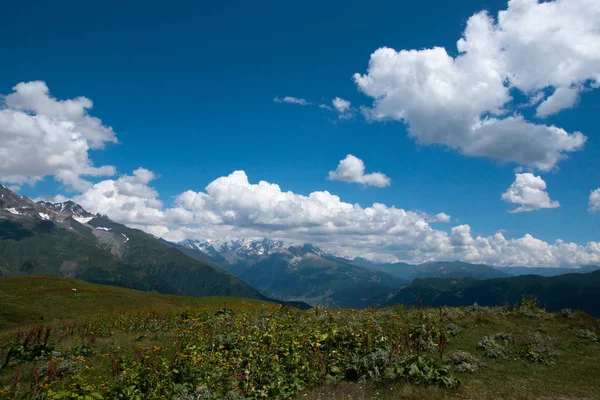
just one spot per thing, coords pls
(438, 269)
(577, 291)
(303, 272)
(66, 240)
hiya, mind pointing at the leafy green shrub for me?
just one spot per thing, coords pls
(453, 330)
(529, 307)
(425, 371)
(464, 361)
(375, 366)
(587, 335)
(203, 393)
(567, 313)
(424, 337)
(536, 348)
(84, 350)
(491, 348)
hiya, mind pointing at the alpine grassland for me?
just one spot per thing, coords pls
(65, 339)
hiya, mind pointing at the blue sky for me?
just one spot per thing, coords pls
(188, 89)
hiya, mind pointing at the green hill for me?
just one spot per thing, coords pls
(576, 291)
(47, 299)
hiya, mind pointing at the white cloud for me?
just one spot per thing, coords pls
(326, 107)
(529, 191)
(291, 100)
(343, 107)
(441, 217)
(42, 136)
(130, 200)
(561, 99)
(352, 170)
(464, 102)
(231, 206)
(594, 204)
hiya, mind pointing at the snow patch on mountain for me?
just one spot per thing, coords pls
(83, 220)
(44, 216)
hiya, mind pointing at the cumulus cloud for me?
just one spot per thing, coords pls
(440, 217)
(231, 206)
(42, 136)
(233, 203)
(291, 100)
(465, 102)
(529, 191)
(561, 99)
(594, 203)
(343, 107)
(130, 200)
(352, 170)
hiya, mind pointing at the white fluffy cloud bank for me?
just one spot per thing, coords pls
(233, 206)
(529, 191)
(42, 136)
(465, 102)
(594, 203)
(352, 170)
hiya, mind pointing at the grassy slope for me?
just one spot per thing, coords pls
(573, 377)
(45, 299)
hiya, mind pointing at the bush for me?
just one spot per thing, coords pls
(381, 365)
(492, 349)
(373, 366)
(567, 313)
(464, 361)
(587, 335)
(203, 393)
(529, 307)
(425, 371)
(536, 348)
(453, 330)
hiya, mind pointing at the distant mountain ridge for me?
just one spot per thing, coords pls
(439, 269)
(458, 269)
(305, 272)
(297, 272)
(516, 271)
(576, 291)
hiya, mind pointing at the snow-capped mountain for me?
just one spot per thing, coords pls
(15, 206)
(249, 251)
(296, 272)
(64, 239)
(71, 209)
